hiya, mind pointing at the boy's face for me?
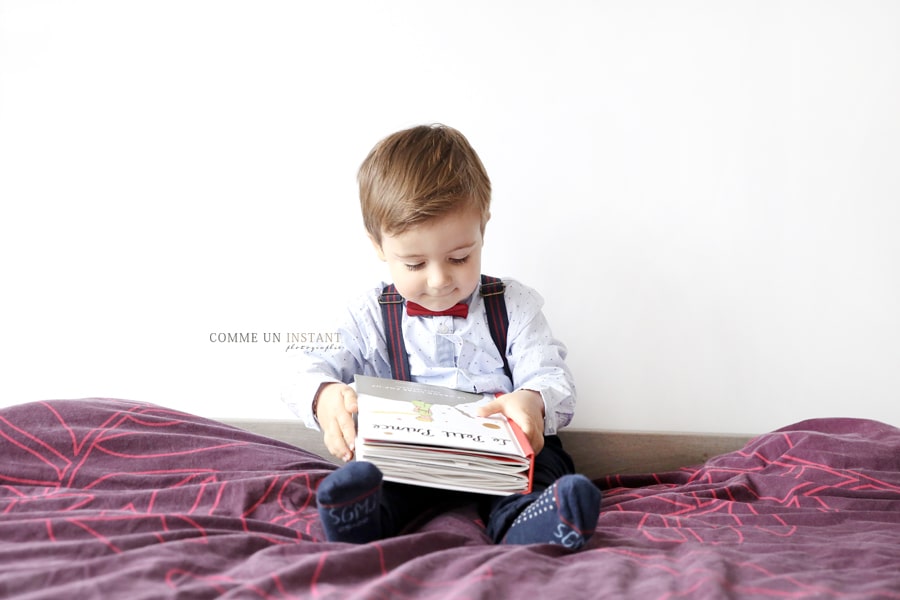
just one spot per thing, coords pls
(438, 263)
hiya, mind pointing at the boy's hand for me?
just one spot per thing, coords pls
(335, 407)
(526, 408)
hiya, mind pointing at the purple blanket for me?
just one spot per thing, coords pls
(107, 498)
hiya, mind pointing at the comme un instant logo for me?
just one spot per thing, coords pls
(306, 340)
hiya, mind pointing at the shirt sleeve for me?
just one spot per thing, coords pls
(358, 352)
(536, 358)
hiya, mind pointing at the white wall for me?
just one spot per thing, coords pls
(716, 182)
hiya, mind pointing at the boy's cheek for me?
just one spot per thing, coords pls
(400, 277)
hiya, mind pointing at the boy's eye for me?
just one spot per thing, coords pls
(452, 261)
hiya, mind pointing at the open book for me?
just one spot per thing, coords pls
(429, 435)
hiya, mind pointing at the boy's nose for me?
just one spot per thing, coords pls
(438, 277)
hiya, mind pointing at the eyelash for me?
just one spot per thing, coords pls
(453, 261)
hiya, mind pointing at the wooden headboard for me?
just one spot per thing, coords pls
(596, 453)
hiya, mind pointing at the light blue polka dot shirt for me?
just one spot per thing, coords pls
(448, 351)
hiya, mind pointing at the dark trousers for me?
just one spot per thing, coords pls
(402, 503)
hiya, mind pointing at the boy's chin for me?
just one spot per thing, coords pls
(437, 306)
(440, 304)
(444, 302)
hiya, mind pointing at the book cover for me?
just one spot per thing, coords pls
(429, 435)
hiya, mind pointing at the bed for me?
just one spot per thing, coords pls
(104, 498)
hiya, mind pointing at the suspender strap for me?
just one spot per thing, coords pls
(392, 313)
(492, 290)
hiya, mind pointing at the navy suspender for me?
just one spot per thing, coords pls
(392, 313)
(492, 290)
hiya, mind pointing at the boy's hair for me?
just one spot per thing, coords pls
(419, 174)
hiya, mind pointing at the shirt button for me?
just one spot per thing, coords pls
(443, 329)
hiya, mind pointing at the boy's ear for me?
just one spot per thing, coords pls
(378, 249)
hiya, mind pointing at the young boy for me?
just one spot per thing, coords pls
(425, 200)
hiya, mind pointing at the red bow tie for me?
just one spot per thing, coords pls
(457, 310)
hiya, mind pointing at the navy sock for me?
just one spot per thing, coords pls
(566, 513)
(349, 502)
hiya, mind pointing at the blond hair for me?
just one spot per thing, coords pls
(419, 174)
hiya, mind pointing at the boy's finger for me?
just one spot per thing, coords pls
(491, 408)
(530, 429)
(348, 429)
(536, 439)
(336, 446)
(349, 398)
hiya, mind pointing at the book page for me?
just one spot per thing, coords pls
(410, 391)
(403, 412)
